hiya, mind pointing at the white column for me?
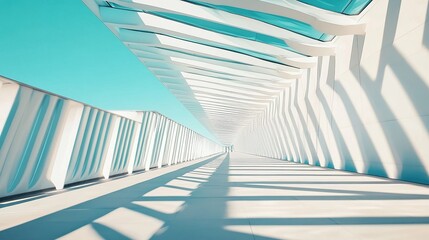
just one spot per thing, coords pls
(134, 143)
(151, 142)
(8, 93)
(63, 144)
(111, 147)
(163, 143)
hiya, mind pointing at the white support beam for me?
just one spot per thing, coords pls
(111, 147)
(62, 149)
(323, 20)
(300, 43)
(8, 92)
(132, 156)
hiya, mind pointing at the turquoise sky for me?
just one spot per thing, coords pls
(60, 46)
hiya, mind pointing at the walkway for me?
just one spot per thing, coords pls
(236, 197)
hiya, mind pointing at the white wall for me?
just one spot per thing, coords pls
(47, 141)
(366, 109)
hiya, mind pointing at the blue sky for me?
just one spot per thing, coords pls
(60, 46)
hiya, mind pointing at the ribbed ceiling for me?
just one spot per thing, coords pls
(227, 60)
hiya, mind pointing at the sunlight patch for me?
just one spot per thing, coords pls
(167, 191)
(85, 232)
(167, 207)
(129, 223)
(183, 184)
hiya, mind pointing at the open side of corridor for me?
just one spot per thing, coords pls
(232, 196)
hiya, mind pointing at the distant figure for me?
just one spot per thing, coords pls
(229, 148)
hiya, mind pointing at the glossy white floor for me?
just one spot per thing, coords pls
(236, 197)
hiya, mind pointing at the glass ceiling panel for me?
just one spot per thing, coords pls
(348, 7)
(247, 52)
(225, 29)
(214, 27)
(278, 21)
(220, 28)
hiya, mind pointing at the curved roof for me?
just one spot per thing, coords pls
(226, 60)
